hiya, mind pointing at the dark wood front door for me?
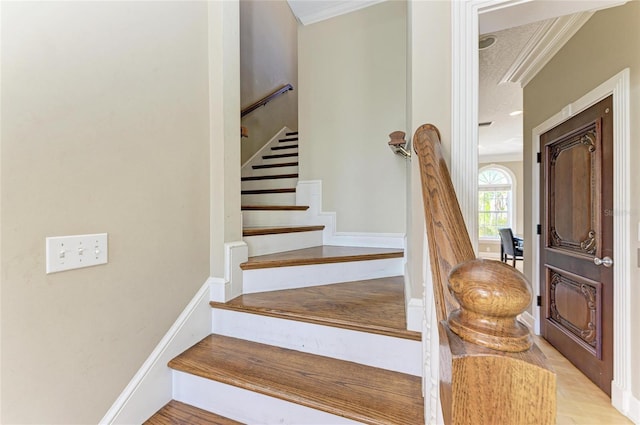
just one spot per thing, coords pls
(577, 233)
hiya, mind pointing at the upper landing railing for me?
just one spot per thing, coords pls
(491, 372)
(268, 98)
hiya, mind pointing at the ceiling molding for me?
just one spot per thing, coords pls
(311, 11)
(542, 46)
(506, 157)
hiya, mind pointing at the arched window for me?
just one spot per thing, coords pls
(495, 205)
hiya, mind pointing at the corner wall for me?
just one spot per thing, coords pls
(105, 128)
(608, 43)
(352, 73)
(268, 60)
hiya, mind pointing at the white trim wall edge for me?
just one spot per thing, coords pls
(309, 192)
(258, 155)
(528, 319)
(229, 287)
(630, 405)
(152, 386)
(321, 14)
(619, 86)
(415, 314)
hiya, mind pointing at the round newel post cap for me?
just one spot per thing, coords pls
(491, 295)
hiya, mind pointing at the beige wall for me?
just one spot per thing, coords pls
(268, 60)
(429, 29)
(352, 72)
(516, 167)
(104, 129)
(604, 46)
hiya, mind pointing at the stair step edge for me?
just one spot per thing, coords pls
(351, 390)
(280, 148)
(263, 264)
(274, 207)
(260, 231)
(308, 318)
(280, 155)
(284, 164)
(267, 191)
(176, 412)
(270, 177)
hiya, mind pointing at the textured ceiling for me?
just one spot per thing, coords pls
(502, 140)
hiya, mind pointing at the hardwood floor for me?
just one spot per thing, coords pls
(320, 255)
(580, 401)
(361, 393)
(374, 305)
(176, 413)
(276, 230)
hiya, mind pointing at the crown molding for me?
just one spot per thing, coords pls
(311, 11)
(543, 45)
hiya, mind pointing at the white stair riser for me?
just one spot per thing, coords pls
(275, 218)
(269, 171)
(269, 184)
(291, 147)
(381, 351)
(270, 244)
(270, 199)
(279, 160)
(246, 406)
(273, 279)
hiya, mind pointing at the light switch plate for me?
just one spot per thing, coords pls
(74, 252)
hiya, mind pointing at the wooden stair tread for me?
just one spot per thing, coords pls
(291, 133)
(280, 155)
(275, 176)
(288, 139)
(274, 207)
(259, 231)
(266, 191)
(347, 389)
(320, 255)
(283, 164)
(177, 413)
(374, 305)
(279, 148)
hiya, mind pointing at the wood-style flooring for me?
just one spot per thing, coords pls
(320, 255)
(361, 393)
(580, 401)
(374, 305)
(177, 413)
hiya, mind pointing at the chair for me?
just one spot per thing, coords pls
(511, 246)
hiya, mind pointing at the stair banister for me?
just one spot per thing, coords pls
(491, 372)
(268, 98)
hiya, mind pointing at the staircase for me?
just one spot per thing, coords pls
(319, 335)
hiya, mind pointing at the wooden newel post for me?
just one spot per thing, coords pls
(491, 372)
(491, 295)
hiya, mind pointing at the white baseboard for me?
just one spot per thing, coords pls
(309, 192)
(625, 402)
(528, 320)
(415, 314)
(151, 387)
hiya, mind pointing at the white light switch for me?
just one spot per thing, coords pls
(74, 252)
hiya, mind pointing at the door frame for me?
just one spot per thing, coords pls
(464, 167)
(619, 87)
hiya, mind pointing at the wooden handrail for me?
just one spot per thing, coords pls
(268, 98)
(491, 372)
